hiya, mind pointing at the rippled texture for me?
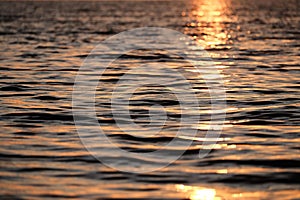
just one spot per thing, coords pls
(255, 45)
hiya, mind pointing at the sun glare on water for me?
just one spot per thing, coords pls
(198, 193)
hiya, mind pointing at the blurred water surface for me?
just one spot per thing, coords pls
(255, 45)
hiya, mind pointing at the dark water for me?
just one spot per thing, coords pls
(255, 45)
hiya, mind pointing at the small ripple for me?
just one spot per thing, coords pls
(39, 116)
(280, 177)
(255, 162)
(15, 88)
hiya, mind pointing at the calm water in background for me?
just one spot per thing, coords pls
(255, 45)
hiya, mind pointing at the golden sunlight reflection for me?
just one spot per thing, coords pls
(198, 193)
(203, 194)
(224, 193)
(207, 22)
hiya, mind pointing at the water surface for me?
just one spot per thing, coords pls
(255, 45)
